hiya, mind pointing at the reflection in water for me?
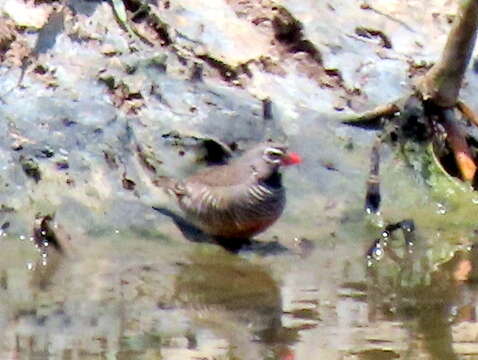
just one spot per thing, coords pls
(238, 301)
(123, 301)
(132, 298)
(428, 298)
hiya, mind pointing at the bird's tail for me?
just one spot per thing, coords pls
(190, 231)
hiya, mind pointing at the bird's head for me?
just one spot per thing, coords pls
(278, 155)
(266, 158)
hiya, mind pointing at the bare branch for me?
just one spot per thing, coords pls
(372, 118)
(442, 83)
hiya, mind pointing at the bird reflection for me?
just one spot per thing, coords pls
(238, 301)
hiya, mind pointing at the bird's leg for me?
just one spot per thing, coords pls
(233, 245)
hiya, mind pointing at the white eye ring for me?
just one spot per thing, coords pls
(273, 155)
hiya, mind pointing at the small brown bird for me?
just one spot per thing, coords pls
(237, 200)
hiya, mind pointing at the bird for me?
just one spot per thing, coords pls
(239, 199)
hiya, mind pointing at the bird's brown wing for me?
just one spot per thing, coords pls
(222, 175)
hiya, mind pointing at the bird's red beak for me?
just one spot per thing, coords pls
(291, 158)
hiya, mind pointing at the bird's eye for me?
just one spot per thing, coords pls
(273, 155)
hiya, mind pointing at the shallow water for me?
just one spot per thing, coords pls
(123, 296)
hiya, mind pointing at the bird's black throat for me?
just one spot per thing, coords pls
(274, 180)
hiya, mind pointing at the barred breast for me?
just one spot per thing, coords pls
(239, 211)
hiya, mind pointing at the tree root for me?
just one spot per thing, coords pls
(457, 142)
(437, 92)
(467, 112)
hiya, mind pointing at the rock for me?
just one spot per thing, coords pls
(212, 29)
(26, 14)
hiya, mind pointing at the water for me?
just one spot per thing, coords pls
(122, 296)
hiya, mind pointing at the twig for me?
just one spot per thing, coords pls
(372, 118)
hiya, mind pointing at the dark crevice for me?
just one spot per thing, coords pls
(373, 33)
(226, 71)
(309, 48)
(141, 11)
(449, 164)
(132, 5)
(289, 32)
(161, 30)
